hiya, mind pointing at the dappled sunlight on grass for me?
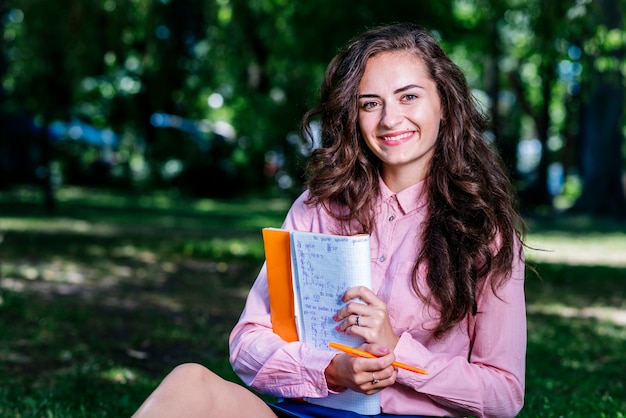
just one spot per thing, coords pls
(141, 282)
(605, 314)
(577, 241)
(578, 290)
(50, 226)
(224, 247)
(582, 265)
(113, 291)
(119, 375)
(576, 340)
(575, 367)
(597, 249)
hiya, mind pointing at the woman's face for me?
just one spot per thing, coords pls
(399, 115)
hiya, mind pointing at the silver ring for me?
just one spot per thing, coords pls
(374, 380)
(358, 319)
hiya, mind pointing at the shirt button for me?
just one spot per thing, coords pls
(318, 390)
(391, 218)
(382, 258)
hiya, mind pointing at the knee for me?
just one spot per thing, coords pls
(187, 387)
(193, 373)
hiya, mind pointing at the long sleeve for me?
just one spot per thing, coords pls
(259, 356)
(267, 363)
(491, 383)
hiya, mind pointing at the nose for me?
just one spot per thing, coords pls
(392, 115)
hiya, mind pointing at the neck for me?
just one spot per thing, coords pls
(396, 182)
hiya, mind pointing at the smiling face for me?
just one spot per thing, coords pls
(399, 116)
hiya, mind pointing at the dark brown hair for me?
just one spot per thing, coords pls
(472, 223)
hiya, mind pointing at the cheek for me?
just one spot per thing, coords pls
(436, 127)
(367, 124)
(368, 141)
(361, 123)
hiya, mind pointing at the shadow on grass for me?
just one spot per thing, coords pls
(575, 368)
(94, 358)
(99, 302)
(576, 342)
(166, 213)
(575, 225)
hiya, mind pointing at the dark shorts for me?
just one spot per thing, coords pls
(295, 409)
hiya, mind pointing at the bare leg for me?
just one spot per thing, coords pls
(193, 391)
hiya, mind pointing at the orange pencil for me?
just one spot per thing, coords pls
(360, 353)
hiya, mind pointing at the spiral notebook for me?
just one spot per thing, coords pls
(307, 275)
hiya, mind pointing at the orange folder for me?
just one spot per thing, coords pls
(280, 285)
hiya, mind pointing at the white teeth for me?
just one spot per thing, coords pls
(395, 138)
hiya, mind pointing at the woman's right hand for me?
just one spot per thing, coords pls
(360, 374)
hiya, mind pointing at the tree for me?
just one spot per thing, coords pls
(116, 64)
(533, 34)
(602, 118)
(57, 45)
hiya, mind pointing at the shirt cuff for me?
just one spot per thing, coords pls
(314, 364)
(411, 352)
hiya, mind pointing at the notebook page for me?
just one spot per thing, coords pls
(324, 267)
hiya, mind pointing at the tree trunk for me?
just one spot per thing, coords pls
(44, 169)
(506, 144)
(538, 193)
(601, 161)
(601, 136)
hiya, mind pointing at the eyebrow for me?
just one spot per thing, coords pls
(396, 91)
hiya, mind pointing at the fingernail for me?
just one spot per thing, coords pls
(383, 350)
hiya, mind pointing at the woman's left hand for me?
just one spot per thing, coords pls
(369, 320)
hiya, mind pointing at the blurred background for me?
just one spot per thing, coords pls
(178, 94)
(145, 143)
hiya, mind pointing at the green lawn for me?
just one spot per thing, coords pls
(101, 300)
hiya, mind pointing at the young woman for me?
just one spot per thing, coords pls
(404, 159)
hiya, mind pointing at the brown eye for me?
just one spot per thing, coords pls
(369, 105)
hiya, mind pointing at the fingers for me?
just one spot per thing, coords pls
(382, 373)
(360, 301)
(361, 292)
(377, 380)
(382, 378)
(362, 320)
(365, 315)
(365, 375)
(349, 324)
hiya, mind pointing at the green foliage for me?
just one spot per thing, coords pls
(100, 301)
(257, 66)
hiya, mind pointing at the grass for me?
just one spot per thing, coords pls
(101, 300)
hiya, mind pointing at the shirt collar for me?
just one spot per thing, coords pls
(409, 199)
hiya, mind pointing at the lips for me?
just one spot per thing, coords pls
(396, 138)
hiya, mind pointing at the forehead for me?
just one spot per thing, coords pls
(394, 65)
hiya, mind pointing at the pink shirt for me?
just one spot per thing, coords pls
(490, 384)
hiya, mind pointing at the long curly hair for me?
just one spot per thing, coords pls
(472, 222)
